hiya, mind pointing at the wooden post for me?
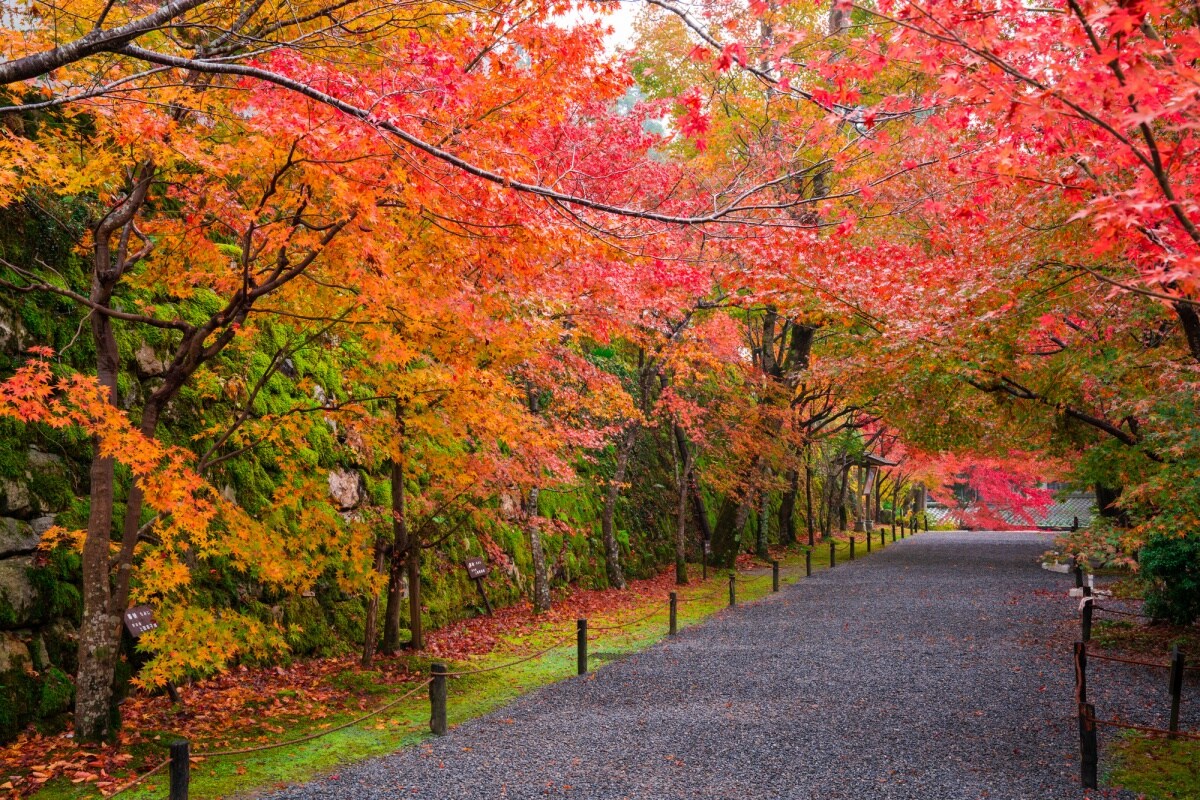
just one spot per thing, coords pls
(832, 553)
(487, 604)
(1176, 687)
(867, 536)
(1086, 618)
(1078, 576)
(1081, 672)
(1089, 756)
(674, 613)
(925, 514)
(882, 541)
(775, 575)
(181, 770)
(732, 589)
(437, 699)
(808, 563)
(851, 548)
(581, 664)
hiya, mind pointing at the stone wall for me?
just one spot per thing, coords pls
(38, 599)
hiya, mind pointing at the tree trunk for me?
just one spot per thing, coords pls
(724, 534)
(371, 623)
(681, 576)
(895, 507)
(878, 513)
(541, 580)
(1190, 320)
(787, 509)
(739, 524)
(1106, 502)
(96, 717)
(764, 516)
(413, 561)
(612, 549)
(808, 499)
(698, 506)
(401, 543)
(843, 519)
(400, 547)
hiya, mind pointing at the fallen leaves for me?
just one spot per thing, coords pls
(249, 706)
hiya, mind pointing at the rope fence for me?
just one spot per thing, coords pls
(1118, 612)
(1088, 721)
(1133, 661)
(497, 667)
(1112, 723)
(318, 734)
(144, 776)
(181, 755)
(657, 610)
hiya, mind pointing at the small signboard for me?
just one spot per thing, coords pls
(139, 620)
(707, 547)
(477, 570)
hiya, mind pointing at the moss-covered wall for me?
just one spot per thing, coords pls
(44, 479)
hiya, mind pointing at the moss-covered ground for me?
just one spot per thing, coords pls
(470, 696)
(1157, 769)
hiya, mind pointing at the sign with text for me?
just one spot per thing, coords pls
(139, 620)
(476, 568)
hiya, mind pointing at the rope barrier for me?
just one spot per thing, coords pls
(319, 734)
(715, 595)
(1092, 654)
(530, 657)
(1112, 723)
(275, 745)
(140, 778)
(657, 610)
(1135, 662)
(1108, 610)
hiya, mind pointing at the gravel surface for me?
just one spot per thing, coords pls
(937, 669)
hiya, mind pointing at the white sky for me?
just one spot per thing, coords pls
(619, 18)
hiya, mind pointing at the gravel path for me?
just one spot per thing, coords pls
(937, 669)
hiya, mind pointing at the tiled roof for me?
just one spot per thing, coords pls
(1062, 513)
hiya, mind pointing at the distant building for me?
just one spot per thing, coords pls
(1069, 510)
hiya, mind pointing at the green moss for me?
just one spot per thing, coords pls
(348, 620)
(58, 693)
(8, 614)
(57, 585)
(61, 646)
(307, 630)
(13, 449)
(19, 698)
(53, 488)
(1157, 769)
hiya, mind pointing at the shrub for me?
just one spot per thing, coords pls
(1171, 571)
